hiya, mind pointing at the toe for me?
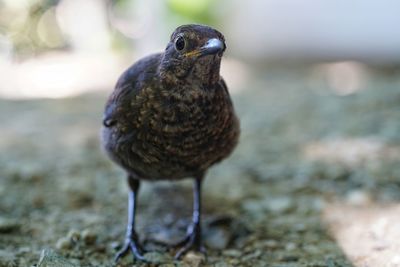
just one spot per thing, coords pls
(121, 253)
(134, 247)
(191, 245)
(137, 252)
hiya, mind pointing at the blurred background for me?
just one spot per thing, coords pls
(316, 85)
(58, 46)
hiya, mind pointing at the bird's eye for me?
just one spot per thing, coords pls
(180, 43)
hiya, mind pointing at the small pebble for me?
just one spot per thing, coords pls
(232, 253)
(252, 206)
(64, 243)
(234, 261)
(194, 259)
(115, 245)
(290, 246)
(217, 238)
(74, 235)
(271, 243)
(22, 250)
(88, 237)
(358, 198)
(253, 255)
(279, 204)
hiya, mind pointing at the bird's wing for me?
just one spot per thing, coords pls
(111, 112)
(128, 85)
(222, 83)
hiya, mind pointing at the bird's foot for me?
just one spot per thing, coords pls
(131, 244)
(192, 242)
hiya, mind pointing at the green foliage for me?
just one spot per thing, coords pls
(200, 11)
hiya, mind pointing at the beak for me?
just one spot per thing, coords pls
(213, 46)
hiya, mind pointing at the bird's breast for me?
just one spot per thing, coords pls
(176, 134)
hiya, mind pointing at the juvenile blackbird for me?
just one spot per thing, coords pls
(171, 117)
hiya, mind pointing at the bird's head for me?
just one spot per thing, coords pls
(194, 53)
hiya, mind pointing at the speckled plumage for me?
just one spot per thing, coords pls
(171, 117)
(168, 121)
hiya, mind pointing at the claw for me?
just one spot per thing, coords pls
(132, 245)
(190, 246)
(192, 242)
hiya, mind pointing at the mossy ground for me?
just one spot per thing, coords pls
(262, 207)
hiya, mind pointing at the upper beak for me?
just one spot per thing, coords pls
(213, 46)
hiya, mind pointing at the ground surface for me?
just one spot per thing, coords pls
(314, 179)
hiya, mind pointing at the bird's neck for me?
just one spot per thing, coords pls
(203, 72)
(206, 72)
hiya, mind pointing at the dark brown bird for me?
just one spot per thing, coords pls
(171, 117)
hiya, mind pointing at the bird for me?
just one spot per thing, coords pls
(171, 117)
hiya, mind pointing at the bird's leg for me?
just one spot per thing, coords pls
(193, 238)
(132, 239)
